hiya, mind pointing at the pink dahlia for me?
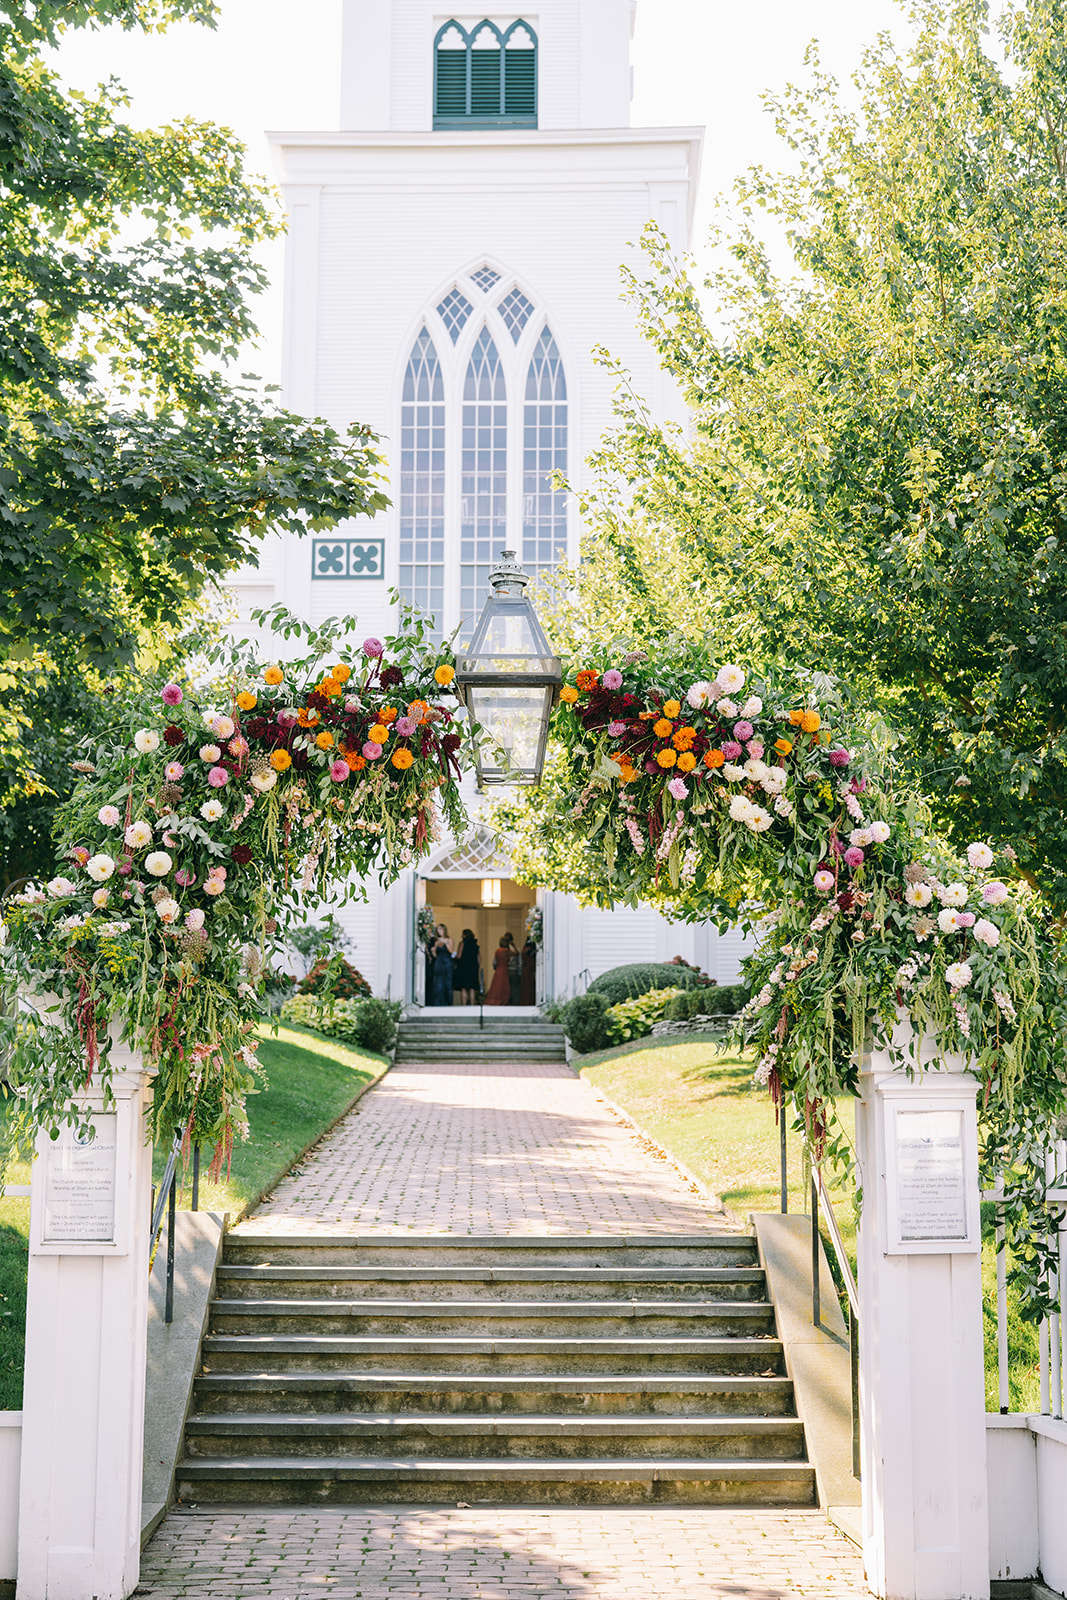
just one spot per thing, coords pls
(171, 694)
(287, 719)
(173, 771)
(373, 648)
(218, 777)
(823, 881)
(405, 726)
(678, 789)
(185, 876)
(755, 748)
(854, 856)
(612, 679)
(372, 750)
(743, 730)
(840, 758)
(339, 771)
(616, 729)
(730, 749)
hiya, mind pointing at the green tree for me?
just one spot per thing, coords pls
(876, 479)
(133, 471)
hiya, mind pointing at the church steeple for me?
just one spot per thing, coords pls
(407, 66)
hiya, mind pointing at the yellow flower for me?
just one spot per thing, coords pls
(379, 733)
(387, 714)
(246, 701)
(329, 687)
(568, 695)
(444, 676)
(810, 721)
(273, 676)
(671, 708)
(341, 673)
(667, 758)
(402, 758)
(686, 761)
(783, 746)
(324, 740)
(663, 729)
(280, 760)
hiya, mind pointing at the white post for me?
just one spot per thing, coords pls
(922, 1385)
(86, 1322)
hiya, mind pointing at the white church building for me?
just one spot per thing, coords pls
(453, 259)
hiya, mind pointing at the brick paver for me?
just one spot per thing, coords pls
(410, 1553)
(519, 1148)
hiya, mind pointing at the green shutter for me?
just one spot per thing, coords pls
(520, 83)
(485, 83)
(451, 90)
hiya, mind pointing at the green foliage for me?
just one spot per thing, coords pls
(370, 1023)
(639, 977)
(585, 1022)
(874, 482)
(722, 1000)
(132, 473)
(633, 1019)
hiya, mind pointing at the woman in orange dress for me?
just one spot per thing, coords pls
(500, 988)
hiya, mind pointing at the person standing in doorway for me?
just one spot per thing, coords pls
(500, 988)
(465, 977)
(528, 987)
(514, 973)
(441, 992)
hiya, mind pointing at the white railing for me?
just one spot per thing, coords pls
(1052, 1330)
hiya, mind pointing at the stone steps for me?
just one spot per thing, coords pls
(563, 1370)
(496, 1039)
(490, 1283)
(529, 1437)
(339, 1480)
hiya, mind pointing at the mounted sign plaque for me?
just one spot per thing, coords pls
(78, 1206)
(932, 1194)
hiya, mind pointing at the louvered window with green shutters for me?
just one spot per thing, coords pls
(485, 77)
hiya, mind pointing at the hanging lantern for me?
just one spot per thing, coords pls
(509, 679)
(490, 891)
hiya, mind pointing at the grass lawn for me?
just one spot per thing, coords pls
(698, 1101)
(309, 1081)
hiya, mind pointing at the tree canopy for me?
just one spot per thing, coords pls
(133, 469)
(875, 481)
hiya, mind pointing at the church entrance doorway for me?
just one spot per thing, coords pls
(468, 888)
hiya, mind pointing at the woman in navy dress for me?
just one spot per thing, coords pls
(441, 992)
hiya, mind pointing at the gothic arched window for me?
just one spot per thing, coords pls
(483, 473)
(544, 451)
(484, 76)
(422, 479)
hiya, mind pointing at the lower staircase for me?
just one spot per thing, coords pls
(568, 1370)
(463, 1038)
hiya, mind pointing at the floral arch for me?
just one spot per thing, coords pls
(217, 805)
(689, 784)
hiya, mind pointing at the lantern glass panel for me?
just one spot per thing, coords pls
(516, 719)
(509, 639)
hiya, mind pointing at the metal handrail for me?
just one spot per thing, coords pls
(820, 1194)
(836, 1240)
(167, 1196)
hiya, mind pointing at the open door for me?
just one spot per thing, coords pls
(418, 959)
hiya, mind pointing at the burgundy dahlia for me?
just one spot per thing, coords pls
(391, 676)
(173, 735)
(242, 854)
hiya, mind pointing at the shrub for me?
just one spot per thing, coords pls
(633, 1019)
(723, 1000)
(370, 1023)
(585, 1023)
(627, 983)
(335, 976)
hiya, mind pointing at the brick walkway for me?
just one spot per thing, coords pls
(485, 1149)
(410, 1553)
(518, 1149)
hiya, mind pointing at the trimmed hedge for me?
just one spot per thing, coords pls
(723, 1000)
(627, 983)
(371, 1023)
(585, 1022)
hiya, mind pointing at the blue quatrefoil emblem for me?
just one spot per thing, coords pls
(348, 558)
